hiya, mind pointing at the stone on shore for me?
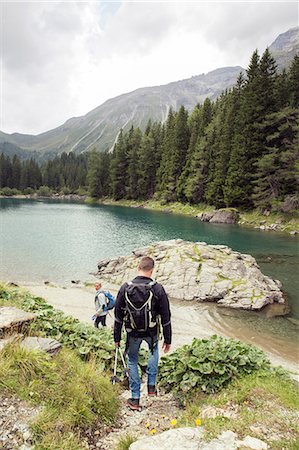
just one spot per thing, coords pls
(47, 345)
(193, 439)
(225, 215)
(197, 271)
(13, 320)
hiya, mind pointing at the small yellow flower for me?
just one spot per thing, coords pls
(147, 425)
(198, 422)
(173, 422)
(153, 431)
(245, 403)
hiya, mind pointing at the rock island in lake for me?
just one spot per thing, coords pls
(197, 271)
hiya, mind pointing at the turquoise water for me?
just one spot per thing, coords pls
(62, 241)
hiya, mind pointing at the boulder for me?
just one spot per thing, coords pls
(193, 439)
(176, 439)
(197, 271)
(13, 320)
(206, 216)
(47, 345)
(225, 215)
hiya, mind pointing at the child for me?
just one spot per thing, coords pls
(100, 302)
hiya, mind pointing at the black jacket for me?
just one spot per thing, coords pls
(162, 309)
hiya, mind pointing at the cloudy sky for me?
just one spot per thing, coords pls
(62, 59)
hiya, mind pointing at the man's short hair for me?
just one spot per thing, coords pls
(146, 264)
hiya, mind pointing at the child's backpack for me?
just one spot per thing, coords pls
(140, 312)
(110, 301)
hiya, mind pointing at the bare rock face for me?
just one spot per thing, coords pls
(193, 439)
(13, 320)
(197, 271)
(225, 215)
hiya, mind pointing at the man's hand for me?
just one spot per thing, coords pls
(166, 347)
(117, 344)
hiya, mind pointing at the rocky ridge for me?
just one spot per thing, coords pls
(197, 271)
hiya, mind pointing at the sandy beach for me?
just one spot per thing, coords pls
(189, 320)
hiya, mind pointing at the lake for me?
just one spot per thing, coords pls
(62, 241)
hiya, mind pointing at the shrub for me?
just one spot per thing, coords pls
(65, 190)
(86, 340)
(81, 191)
(7, 191)
(28, 191)
(44, 191)
(209, 364)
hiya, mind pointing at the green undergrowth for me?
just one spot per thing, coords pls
(87, 341)
(232, 378)
(209, 365)
(71, 393)
(173, 207)
(286, 221)
(263, 404)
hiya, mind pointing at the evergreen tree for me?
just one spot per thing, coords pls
(147, 167)
(236, 185)
(34, 174)
(294, 82)
(133, 141)
(200, 158)
(282, 90)
(94, 179)
(118, 168)
(16, 172)
(195, 187)
(5, 171)
(195, 121)
(277, 171)
(166, 186)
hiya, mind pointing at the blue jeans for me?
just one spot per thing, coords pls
(152, 365)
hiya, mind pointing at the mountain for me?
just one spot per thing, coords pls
(99, 128)
(285, 47)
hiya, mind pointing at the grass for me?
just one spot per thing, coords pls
(287, 221)
(72, 393)
(125, 442)
(264, 405)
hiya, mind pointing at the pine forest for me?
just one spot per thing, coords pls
(240, 151)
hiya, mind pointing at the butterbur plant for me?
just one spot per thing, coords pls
(209, 364)
(86, 340)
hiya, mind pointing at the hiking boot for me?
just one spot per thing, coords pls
(151, 389)
(133, 404)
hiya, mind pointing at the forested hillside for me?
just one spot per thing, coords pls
(241, 150)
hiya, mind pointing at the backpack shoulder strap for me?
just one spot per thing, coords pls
(152, 283)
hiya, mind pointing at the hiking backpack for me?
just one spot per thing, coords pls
(109, 299)
(140, 311)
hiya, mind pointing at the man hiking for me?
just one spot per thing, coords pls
(139, 304)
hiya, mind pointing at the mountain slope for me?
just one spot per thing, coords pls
(285, 47)
(99, 128)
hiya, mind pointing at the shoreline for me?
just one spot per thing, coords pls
(275, 221)
(189, 320)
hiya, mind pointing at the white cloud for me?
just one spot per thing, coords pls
(63, 59)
